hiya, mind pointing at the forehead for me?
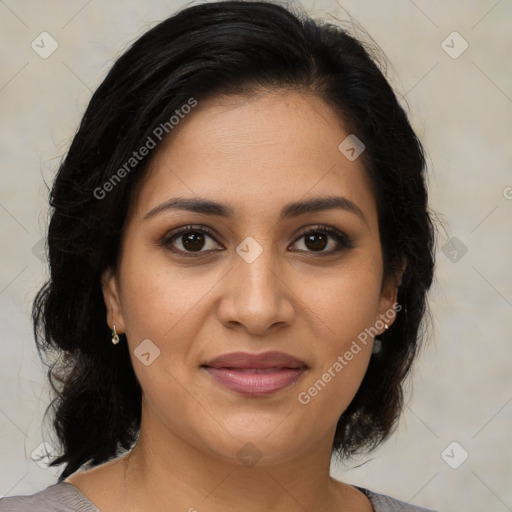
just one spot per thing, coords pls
(257, 153)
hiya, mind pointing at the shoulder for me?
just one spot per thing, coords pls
(60, 497)
(383, 503)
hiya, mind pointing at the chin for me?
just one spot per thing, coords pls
(258, 439)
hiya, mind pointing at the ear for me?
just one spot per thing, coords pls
(110, 289)
(388, 298)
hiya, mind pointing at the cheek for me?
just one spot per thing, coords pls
(160, 304)
(157, 296)
(348, 299)
(167, 305)
(347, 304)
(343, 352)
(323, 398)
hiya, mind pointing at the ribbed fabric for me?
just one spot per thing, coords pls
(61, 497)
(64, 497)
(383, 503)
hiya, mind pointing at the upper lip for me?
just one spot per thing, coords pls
(245, 360)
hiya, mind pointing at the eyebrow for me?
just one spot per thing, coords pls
(291, 210)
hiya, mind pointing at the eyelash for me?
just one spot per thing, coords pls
(340, 237)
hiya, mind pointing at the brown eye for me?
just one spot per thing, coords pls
(316, 241)
(191, 241)
(324, 240)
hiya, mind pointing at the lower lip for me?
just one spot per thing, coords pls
(255, 384)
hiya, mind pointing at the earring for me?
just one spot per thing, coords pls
(115, 336)
(386, 326)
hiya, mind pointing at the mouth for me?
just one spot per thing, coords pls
(255, 374)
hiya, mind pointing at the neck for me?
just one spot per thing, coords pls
(164, 469)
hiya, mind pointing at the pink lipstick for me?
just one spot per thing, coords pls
(255, 374)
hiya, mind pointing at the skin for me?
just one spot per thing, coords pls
(256, 155)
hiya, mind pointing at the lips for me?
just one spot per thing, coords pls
(266, 360)
(255, 374)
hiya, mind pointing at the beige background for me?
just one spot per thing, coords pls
(461, 108)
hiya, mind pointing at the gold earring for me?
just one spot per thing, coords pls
(115, 336)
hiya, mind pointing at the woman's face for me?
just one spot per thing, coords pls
(253, 270)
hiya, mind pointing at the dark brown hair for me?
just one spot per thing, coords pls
(206, 50)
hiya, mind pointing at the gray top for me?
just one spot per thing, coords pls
(65, 497)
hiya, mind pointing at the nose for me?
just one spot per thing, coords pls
(256, 296)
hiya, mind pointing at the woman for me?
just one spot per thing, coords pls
(240, 250)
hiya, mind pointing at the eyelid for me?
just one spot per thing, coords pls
(175, 233)
(344, 241)
(342, 238)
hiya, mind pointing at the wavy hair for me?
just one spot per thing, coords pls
(203, 51)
